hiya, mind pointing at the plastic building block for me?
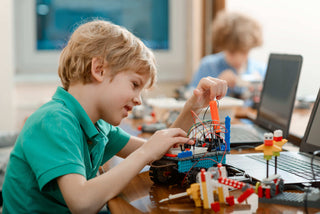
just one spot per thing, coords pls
(209, 187)
(245, 195)
(194, 193)
(227, 134)
(260, 192)
(215, 206)
(278, 141)
(267, 193)
(170, 155)
(203, 189)
(230, 182)
(245, 187)
(185, 154)
(230, 200)
(221, 195)
(277, 135)
(314, 194)
(268, 147)
(215, 114)
(174, 196)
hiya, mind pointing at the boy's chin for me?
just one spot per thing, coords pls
(117, 123)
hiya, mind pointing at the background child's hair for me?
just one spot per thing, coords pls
(234, 31)
(120, 49)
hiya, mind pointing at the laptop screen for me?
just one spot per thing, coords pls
(279, 91)
(311, 140)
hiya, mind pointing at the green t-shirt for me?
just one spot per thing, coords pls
(58, 139)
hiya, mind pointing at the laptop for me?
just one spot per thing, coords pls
(294, 167)
(276, 101)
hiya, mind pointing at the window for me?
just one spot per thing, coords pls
(57, 19)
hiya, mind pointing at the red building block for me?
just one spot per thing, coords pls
(245, 195)
(230, 200)
(215, 206)
(260, 192)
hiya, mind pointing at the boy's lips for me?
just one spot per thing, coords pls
(128, 108)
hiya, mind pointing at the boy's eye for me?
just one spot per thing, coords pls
(135, 84)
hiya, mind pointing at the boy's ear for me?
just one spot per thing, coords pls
(97, 71)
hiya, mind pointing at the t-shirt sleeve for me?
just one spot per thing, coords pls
(56, 148)
(118, 138)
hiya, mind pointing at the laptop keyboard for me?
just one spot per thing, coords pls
(292, 165)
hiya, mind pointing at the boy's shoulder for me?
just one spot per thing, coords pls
(51, 118)
(52, 111)
(54, 107)
(213, 58)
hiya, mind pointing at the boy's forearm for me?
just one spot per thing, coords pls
(112, 183)
(185, 118)
(91, 195)
(133, 144)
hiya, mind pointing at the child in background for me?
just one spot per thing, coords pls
(53, 166)
(233, 34)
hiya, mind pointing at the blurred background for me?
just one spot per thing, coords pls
(34, 31)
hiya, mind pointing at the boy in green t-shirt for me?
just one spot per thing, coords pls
(53, 166)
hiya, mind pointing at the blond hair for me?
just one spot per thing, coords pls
(234, 31)
(121, 50)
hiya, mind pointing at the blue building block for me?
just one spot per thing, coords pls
(184, 154)
(227, 134)
(222, 148)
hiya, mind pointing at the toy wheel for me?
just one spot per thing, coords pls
(192, 176)
(281, 185)
(163, 175)
(273, 190)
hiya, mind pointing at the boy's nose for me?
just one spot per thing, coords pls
(137, 100)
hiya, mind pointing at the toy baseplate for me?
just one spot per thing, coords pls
(291, 199)
(204, 160)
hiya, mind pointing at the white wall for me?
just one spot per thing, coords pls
(6, 66)
(290, 26)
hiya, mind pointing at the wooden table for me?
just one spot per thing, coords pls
(143, 196)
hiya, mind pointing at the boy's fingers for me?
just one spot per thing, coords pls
(183, 140)
(175, 132)
(223, 92)
(217, 87)
(190, 141)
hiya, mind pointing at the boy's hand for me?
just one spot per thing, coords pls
(229, 76)
(208, 89)
(162, 141)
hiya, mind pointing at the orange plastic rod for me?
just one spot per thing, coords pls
(215, 114)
